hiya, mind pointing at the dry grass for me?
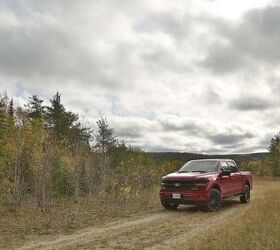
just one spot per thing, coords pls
(66, 216)
(259, 228)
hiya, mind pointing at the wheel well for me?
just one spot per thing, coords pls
(216, 187)
(248, 183)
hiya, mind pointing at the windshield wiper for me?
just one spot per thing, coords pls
(183, 171)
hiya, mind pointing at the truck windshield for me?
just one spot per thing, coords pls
(200, 166)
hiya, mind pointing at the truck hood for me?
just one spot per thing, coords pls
(190, 175)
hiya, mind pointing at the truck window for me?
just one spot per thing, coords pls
(233, 167)
(224, 165)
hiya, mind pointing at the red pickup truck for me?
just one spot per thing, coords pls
(205, 183)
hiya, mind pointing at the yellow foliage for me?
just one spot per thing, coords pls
(126, 191)
(6, 185)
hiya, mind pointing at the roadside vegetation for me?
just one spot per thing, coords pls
(269, 166)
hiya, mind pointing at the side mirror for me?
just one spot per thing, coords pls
(225, 172)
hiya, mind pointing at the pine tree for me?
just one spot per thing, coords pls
(35, 108)
(11, 109)
(65, 124)
(274, 150)
(105, 138)
(60, 121)
(55, 117)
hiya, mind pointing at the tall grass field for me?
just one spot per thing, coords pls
(258, 228)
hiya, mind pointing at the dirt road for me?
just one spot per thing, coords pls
(158, 230)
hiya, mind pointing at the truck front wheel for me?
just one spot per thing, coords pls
(169, 206)
(215, 202)
(245, 197)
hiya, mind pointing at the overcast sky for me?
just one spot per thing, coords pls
(193, 76)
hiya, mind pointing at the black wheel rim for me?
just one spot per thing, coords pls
(215, 202)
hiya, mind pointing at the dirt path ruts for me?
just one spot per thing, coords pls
(162, 230)
(90, 234)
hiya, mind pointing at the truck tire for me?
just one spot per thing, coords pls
(245, 197)
(215, 202)
(169, 206)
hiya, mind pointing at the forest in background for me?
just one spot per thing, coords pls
(48, 152)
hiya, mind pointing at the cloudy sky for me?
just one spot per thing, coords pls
(193, 76)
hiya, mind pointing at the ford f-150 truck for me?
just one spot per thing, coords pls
(205, 183)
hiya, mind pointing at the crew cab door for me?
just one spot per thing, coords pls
(235, 178)
(225, 181)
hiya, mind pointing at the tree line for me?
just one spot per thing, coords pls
(47, 151)
(270, 166)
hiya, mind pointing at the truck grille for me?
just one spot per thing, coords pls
(178, 184)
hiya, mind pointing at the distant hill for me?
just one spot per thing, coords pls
(184, 157)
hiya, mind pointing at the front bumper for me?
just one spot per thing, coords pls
(187, 197)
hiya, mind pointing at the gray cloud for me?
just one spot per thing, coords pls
(210, 132)
(161, 59)
(43, 45)
(251, 103)
(266, 139)
(177, 26)
(129, 133)
(229, 139)
(211, 96)
(247, 44)
(44, 50)
(185, 126)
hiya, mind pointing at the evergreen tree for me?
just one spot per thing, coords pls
(3, 117)
(35, 108)
(11, 109)
(3, 127)
(274, 150)
(65, 124)
(60, 121)
(55, 117)
(105, 138)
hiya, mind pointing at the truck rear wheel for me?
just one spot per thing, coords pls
(169, 206)
(215, 202)
(245, 197)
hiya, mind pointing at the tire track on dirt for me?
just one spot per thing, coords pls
(163, 230)
(198, 229)
(92, 233)
(179, 242)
